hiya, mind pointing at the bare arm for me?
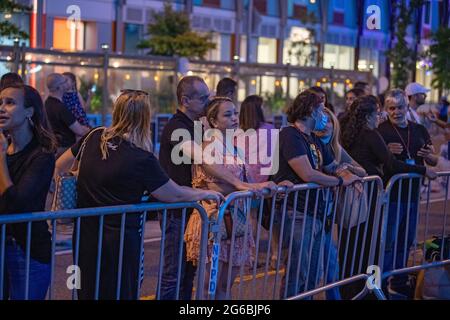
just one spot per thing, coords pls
(79, 129)
(355, 166)
(303, 169)
(195, 152)
(172, 192)
(64, 162)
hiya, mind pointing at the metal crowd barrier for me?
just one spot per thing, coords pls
(103, 214)
(296, 244)
(310, 232)
(408, 228)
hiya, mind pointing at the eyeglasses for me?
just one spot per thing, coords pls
(128, 91)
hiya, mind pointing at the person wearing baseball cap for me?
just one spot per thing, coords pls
(416, 94)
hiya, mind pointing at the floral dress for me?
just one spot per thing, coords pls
(243, 252)
(72, 102)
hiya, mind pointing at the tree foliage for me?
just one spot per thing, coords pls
(304, 50)
(401, 55)
(7, 28)
(171, 34)
(439, 53)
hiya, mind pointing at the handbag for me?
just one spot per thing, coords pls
(352, 209)
(230, 221)
(65, 195)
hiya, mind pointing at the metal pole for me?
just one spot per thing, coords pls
(249, 29)
(105, 83)
(39, 14)
(23, 62)
(16, 55)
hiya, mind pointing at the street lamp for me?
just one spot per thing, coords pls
(105, 46)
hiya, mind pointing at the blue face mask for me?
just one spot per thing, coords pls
(326, 139)
(321, 120)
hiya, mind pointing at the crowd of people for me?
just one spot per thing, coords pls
(41, 140)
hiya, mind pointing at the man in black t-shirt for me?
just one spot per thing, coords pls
(193, 96)
(304, 159)
(64, 125)
(411, 143)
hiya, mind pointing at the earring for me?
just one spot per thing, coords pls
(30, 121)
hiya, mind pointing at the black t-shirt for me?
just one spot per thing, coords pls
(121, 179)
(294, 144)
(413, 137)
(31, 171)
(372, 153)
(60, 119)
(180, 173)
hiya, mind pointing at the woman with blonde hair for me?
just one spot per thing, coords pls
(117, 167)
(330, 138)
(223, 118)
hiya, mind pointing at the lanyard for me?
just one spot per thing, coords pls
(401, 138)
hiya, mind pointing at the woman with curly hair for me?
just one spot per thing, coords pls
(367, 147)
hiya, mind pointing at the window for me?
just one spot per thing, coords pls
(300, 11)
(339, 57)
(68, 36)
(338, 13)
(211, 3)
(338, 18)
(261, 6)
(267, 50)
(132, 37)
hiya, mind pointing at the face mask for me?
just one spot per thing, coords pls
(321, 120)
(326, 139)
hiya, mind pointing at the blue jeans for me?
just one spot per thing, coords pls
(402, 254)
(332, 271)
(173, 234)
(39, 279)
(300, 259)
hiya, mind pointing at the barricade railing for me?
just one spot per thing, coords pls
(294, 244)
(119, 233)
(309, 237)
(415, 235)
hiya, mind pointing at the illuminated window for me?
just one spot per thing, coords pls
(339, 57)
(267, 50)
(68, 35)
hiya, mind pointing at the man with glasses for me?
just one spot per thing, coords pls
(410, 142)
(193, 96)
(416, 94)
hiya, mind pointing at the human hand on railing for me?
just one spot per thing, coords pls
(287, 184)
(395, 148)
(212, 195)
(349, 178)
(430, 174)
(359, 171)
(269, 186)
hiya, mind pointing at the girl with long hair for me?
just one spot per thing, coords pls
(27, 162)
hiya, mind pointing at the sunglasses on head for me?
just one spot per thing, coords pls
(128, 91)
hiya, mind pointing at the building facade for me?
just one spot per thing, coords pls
(339, 34)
